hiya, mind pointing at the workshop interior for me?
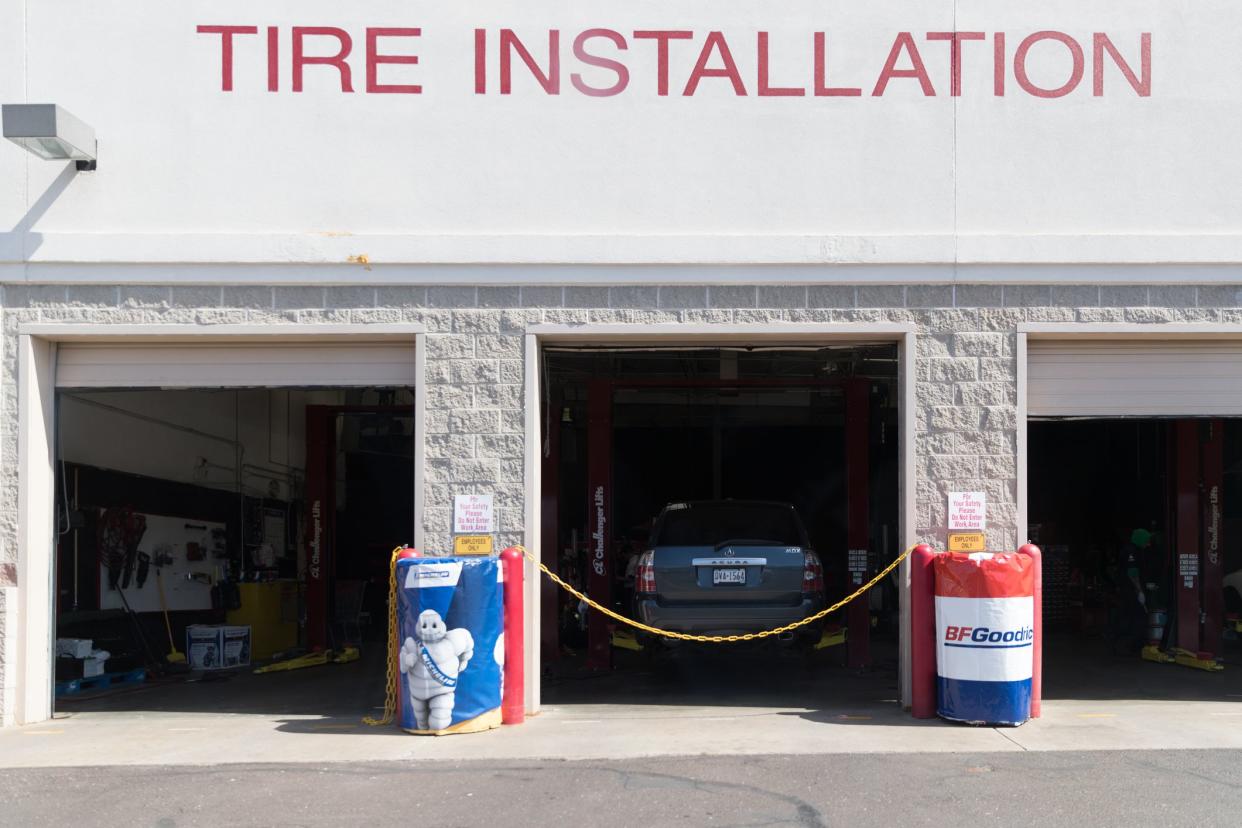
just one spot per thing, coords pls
(1138, 520)
(206, 535)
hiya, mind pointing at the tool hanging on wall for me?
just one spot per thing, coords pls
(119, 533)
(144, 569)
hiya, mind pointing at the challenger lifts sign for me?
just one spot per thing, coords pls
(383, 60)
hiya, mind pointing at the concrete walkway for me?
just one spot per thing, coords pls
(579, 732)
(730, 704)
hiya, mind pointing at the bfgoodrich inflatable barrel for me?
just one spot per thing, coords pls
(985, 617)
(451, 646)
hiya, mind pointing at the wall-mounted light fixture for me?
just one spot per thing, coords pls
(50, 132)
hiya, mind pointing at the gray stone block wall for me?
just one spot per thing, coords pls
(474, 430)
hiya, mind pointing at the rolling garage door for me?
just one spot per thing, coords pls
(388, 363)
(1134, 378)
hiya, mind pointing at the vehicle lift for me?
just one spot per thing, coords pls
(600, 575)
(1196, 455)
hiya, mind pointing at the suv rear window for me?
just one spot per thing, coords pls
(710, 524)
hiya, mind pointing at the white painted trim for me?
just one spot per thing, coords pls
(707, 334)
(745, 271)
(533, 473)
(36, 368)
(36, 494)
(190, 332)
(1116, 330)
(907, 523)
(21, 246)
(420, 437)
(1023, 519)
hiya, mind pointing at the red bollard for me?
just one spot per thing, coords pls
(922, 633)
(513, 700)
(1037, 669)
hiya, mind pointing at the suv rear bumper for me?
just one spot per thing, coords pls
(716, 619)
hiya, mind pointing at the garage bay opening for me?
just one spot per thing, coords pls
(1139, 520)
(204, 534)
(719, 491)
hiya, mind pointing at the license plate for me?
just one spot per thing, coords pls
(728, 576)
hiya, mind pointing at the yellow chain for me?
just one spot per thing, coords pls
(390, 693)
(718, 639)
(390, 697)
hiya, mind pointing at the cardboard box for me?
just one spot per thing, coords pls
(74, 647)
(204, 647)
(236, 646)
(217, 646)
(96, 664)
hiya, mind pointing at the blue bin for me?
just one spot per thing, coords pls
(450, 644)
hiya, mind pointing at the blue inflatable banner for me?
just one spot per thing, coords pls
(451, 644)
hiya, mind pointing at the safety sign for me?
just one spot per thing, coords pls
(968, 511)
(472, 514)
(967, 542)
(472, 545)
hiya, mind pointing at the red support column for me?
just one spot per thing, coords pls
(599, 519)
(858, 530)
(549, 593)
(1186, 435)
(320, 511)
(1213, 578)
(922, 632)
(513, 700)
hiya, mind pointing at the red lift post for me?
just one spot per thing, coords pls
(320, 512)
(1198, 475)
(1213, 564)
(1186, 437)
(599, 520)
(857, 528)
(550, 482)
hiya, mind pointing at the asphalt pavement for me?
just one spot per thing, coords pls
(1122, 788)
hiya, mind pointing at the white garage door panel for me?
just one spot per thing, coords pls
(240, 365)
(1081, 378)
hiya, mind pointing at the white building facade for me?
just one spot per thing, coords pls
(967, 179)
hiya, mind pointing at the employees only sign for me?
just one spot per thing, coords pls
(968, 511)
(472, 514)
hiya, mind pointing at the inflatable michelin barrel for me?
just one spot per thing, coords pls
(450, 644)
(985, 637)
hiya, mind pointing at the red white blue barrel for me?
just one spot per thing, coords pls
(985, 637)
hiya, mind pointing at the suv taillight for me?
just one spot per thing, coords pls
(812, 574)
(644, 575)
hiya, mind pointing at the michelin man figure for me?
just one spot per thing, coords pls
(431, 663)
